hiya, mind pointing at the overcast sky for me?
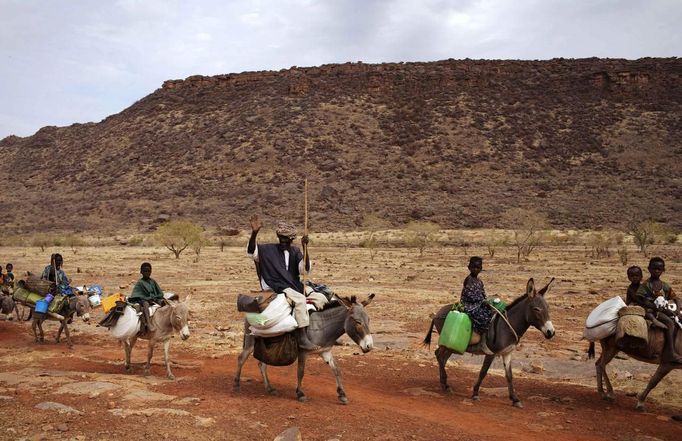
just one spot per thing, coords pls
(66, 61)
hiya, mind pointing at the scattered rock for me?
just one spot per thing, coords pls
(61, 408)
(149, 412)
(291, 434)
(62, 427)
(204, 422)
(145, 395)
(186, 401)
(89, 388)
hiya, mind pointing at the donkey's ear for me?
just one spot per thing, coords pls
(530, 288)
(368, 301)
(544, 290)
(345, 301)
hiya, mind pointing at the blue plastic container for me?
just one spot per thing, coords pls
(41, 306)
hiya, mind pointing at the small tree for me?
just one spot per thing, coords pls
(74, 242)
(41, 240)
(197, 245)
(371, 224)
(527, 230)
(177, 235)
(421, 234)
(642, 234)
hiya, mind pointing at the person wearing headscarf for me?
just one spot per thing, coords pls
(279, 267)
(54, 273)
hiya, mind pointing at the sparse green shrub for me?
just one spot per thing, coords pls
(623, 255)
(74, 242)
(371, 224)
(135, 241)
(40, 240)
(177, 235)
(421, 234)
(648, 232)
(527, 228)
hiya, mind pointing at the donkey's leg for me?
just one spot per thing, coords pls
(660, 373)
(264, 373)
(34, 327)
(59, 332)
(248, 349)
(68, 334)
(487, 361)
(506, 359)
(150, 353)
(166, 358)
(299, 377)
(128, 346)
(329, 359)
(442, 355)
(42, 333)
(608, 352)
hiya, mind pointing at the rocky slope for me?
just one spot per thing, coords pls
(588, 143)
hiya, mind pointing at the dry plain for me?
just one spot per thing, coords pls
(393, 390)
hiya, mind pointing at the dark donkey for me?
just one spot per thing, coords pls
(342, 316)
(530, 309)
(74, 305)
(650, 353)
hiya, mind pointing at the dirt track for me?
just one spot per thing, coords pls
(393, 390)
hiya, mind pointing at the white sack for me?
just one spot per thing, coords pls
(282, 327)
(603, 320)
(276, 311)
(127, 325)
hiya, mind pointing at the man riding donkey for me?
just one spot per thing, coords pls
(655, 296)
(279, 268)
(146, 293)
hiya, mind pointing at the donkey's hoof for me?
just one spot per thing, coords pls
(129, 370)
(476, 398)
(343, 400)
(236, 388)
(517, 404)
(446, 388)
(171, 377)
(273, 392)
(609, 398)
(640, 407)
(303, 399)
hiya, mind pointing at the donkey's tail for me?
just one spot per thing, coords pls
(590, 351)
(427, 339)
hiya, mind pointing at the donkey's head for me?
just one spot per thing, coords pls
(179, 318)
(357, 322)
(81, 306)
(537, 312)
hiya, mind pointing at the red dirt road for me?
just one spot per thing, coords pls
(391, 398)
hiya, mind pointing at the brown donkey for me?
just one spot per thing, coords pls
(650, 353)
(74, 305)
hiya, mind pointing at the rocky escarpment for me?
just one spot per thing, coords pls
(587, 143)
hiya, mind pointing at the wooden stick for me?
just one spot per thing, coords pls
(305, 230)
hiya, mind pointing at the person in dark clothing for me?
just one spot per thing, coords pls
(655, 292)
(473, 297)
(146, 292)
(279, 267)
(635, 277)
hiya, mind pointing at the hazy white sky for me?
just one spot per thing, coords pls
(66, 61)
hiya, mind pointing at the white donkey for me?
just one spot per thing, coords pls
(167, 320)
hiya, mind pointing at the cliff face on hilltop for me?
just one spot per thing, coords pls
(587, 143)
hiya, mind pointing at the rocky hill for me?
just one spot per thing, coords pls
(588, 143)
